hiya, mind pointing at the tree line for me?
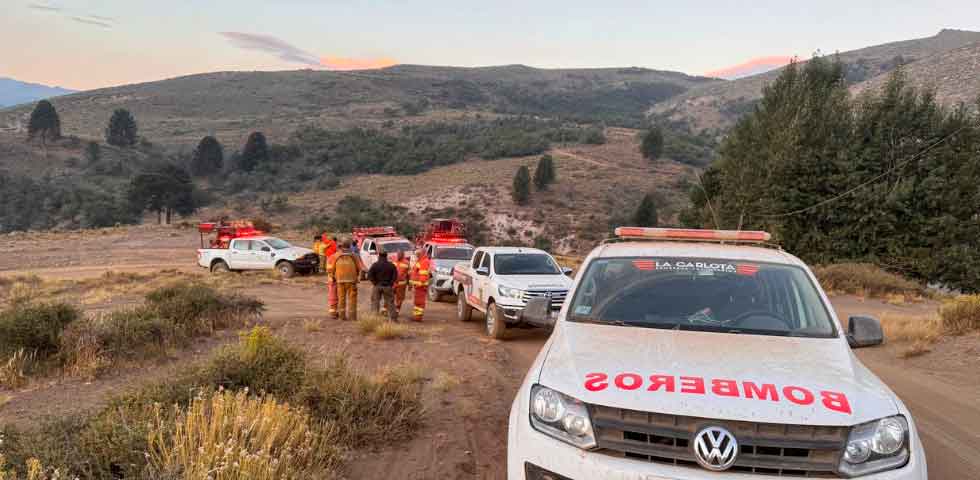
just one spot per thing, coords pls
(891, 178)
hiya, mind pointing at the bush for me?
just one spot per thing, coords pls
(225, 435)
(261, 363)
(88, 344)
(865, 279)
(199, 309)
(34, 328)
(961, 314)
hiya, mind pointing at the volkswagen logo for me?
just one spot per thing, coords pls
(547, 295)
(715, 448)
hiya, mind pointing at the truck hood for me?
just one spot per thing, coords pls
(535, 282)
(293, 253)
(757, 378)
(446, 263)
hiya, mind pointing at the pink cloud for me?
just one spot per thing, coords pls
(341, 63)
(751, 67)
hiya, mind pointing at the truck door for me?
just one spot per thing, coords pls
(263, 255)
(469, 282)
(482, 282)
(369, 254)
(240, 254)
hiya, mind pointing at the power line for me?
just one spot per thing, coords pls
(869, 182)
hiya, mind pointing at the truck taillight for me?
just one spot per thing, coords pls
(693, 234)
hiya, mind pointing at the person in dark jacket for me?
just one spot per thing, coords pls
(383, 276)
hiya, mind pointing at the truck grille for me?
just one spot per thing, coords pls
(557, 296)
(764, 448)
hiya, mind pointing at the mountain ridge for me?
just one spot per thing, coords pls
(14, 92)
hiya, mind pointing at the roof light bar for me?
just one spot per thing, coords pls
(693, 234)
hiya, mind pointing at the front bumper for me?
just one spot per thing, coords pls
(528, 446)
(442, 283)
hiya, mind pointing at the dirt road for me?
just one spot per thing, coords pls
(472, 379)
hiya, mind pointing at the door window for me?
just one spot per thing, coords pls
(241, 245)
(260, 246)
(476, 260)
(486, 263)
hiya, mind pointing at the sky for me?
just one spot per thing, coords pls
(85, 44)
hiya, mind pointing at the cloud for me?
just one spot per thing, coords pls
(750, 67)
(75, 16)
(292, 54)
(273, 45)
(91, 20)
(44, 7)
(340, 63)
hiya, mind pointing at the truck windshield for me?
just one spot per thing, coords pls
(395, 247)
(525, 264)
(277, 243)
(730, 296)
(453, 253)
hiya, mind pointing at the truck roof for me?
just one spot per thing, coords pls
(496, 250)
(388, 239)
(677, 249)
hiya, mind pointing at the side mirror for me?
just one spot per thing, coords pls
(864, 331)
(538, 312)
(483, 271)
(567, 271)
(266, 249)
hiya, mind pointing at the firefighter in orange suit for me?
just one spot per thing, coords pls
(419, 281)
(344, 271)
(329, 247)
(403, 266)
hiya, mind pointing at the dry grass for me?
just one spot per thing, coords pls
(35, 471)
(961, 314)
(225, 436)
(867, 280)
(14, 371)
(390, 331)
(369, 323)
(444, 382)
(311, 325)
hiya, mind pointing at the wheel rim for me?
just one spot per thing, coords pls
(491, 320)
(283, 270)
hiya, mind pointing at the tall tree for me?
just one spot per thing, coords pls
(165, 190)
(255, 153)
(544, 174)
(44, 122)
(646, 213)
(209, 157)
(521, 189)
(652, 145)
(122, 129)
(93, 153)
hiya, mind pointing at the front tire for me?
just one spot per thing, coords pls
(220, 267)
(434, 295)
(285, 269)
(464, 312)
(494, 324)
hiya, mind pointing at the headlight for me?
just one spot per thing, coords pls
(444, 270)
(509, 292)
(876, 446)
(560, 416)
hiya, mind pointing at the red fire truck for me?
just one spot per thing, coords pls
(238, 245)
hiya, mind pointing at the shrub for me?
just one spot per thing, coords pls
(961, 314)
(364, 410)
(389, 331)
(88, 344)
(199, 309)
(34, 328)
(14, 371)
(224, 435)
(865, 279)
(260, 362)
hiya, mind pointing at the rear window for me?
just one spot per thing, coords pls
(395, 247)
(730, 296)
(453, 253)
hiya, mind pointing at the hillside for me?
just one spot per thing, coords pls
(955, 75)
(15, 92)
(180, 111)
(716, 106)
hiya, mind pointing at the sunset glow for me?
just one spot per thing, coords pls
(751, 67)
(341, 63)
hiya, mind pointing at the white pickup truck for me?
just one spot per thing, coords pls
(705, 355)
(259, 253)
(499, 281)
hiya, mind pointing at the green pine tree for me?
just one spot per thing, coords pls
(544, 174)
(646, 213)
(652, 145)
(44, 122)
(521, 191)
(122, 130)
(208, 158)
(256, 152)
